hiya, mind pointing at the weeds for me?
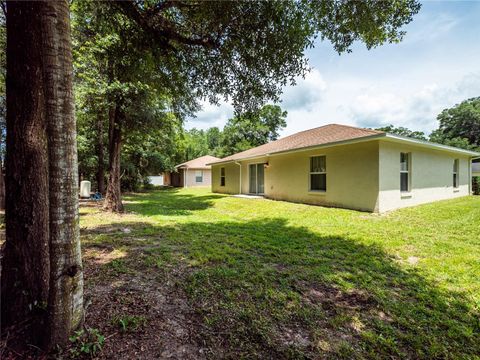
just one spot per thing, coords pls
(86, 342)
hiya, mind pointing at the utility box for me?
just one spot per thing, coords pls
(85, 187)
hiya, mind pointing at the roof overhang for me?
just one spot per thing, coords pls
(384, 136)
(430, 145)
(305, 148)
(192, 168)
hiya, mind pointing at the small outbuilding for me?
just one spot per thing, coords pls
(349, 167)
(193, 173)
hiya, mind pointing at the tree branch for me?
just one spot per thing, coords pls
(4, 8)
(164, 30)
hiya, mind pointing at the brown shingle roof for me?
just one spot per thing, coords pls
(318, 136)
(199, 163)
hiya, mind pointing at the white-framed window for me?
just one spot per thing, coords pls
(318, 173)
(405, 164)
(198, 176)
(455, 173)
(222, 176)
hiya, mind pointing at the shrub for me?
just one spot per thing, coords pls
(476, 185)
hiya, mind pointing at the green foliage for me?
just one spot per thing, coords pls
(403, 132)
(476, 185)
(156, 60)
(241, 132)
(253, 129)
(129, 323)
(194, 143)
(86, 342)
(247, 51)
(113, 70)
(119, 267)
(460, 125)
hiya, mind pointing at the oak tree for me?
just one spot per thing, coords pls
(42, 277)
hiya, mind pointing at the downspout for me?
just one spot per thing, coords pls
(185, 177)
(470, 176)
(240, 182)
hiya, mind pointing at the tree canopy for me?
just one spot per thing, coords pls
(403, 131)
(247, 51)
(460, 125)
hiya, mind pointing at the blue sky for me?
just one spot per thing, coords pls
(435, 67)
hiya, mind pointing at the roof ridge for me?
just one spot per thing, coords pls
(360, 128)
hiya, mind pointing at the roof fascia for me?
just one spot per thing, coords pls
(431, 145)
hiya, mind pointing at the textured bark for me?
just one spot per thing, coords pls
(113, 199)
(41, 268)
(65, 301)
(2, 182)
(100, 156)
(26, 264)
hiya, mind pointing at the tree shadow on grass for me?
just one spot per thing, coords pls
(266, 289)
(170, 202)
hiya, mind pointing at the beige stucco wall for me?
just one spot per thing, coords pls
(232, 172)
(190, 178)
(431, 176)
(352, 177)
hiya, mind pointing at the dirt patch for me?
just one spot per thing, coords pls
(168, 323)
(330, 297)
(167, 327)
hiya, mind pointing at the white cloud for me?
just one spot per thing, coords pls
(306, 93)
(406, 84)
(210, 116)
(359, 102)
(417, 110)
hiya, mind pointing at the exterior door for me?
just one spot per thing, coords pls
(257, 179)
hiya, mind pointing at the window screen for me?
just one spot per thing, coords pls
(404, 172)
(222, 176)
(318, 173)
(455, 173)
(198, 176)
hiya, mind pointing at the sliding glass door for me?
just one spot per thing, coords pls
(256, 178)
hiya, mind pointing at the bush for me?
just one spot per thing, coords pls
(476, 185)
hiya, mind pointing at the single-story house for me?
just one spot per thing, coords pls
(476, 169)
(349, 167)
(192, 173)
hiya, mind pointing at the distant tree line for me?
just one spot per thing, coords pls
(459, 126)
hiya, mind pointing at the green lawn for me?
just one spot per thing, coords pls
(281, 280)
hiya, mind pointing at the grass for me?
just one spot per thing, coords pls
(282, 280)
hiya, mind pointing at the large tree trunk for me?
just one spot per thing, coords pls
(65, 301)
(42, 262)
(100, 156)
(2, 179)
(26, 263)
(113, 199)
